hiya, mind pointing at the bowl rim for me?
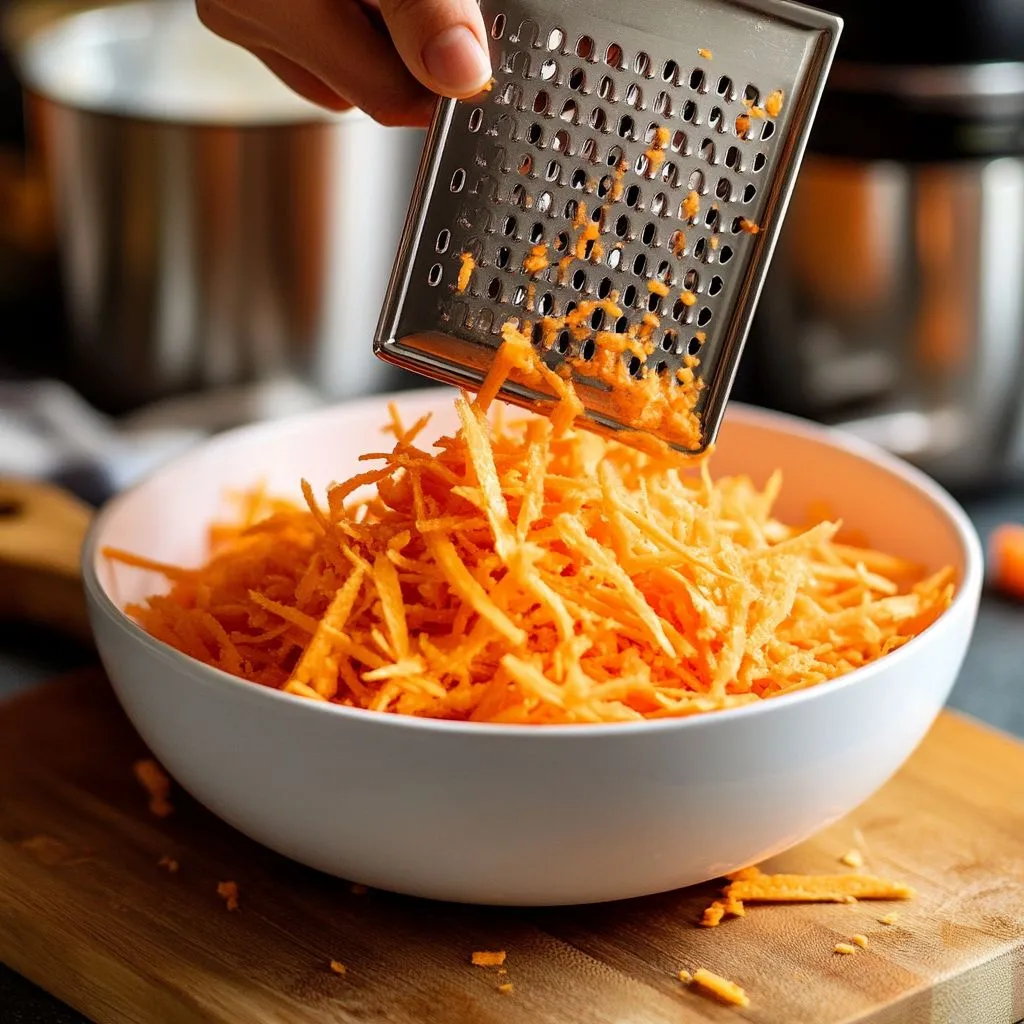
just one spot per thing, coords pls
(965, 600)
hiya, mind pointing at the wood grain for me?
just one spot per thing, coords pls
(86, 912)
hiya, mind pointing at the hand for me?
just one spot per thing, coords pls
(387, 57)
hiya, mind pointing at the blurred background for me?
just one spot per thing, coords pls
(184, 245)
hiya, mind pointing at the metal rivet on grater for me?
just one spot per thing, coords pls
(632, 173)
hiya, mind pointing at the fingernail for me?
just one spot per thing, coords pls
(455, 60)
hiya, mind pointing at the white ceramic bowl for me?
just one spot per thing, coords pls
(524, 815)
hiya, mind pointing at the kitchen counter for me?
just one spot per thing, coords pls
(991, 687)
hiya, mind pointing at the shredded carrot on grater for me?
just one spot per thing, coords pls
(467, 264)
(532, 573)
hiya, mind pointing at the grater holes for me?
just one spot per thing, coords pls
(699, 248)
(542, 103)
(653, 303)
(649, 235)
(670, 72)
(732, 158)
(715, 119)
(579, 179)
(677, 243)
(660, 367)
(659, 205)
(604, 186)
(599, 119)
(589, 151)
(494, 289)
(690, 112)
(544, 202)
(678, 143)
(498, 26)
(588, 350)
(698, 80)
(639, 264)
(570, 112)
(737, 225)
(724, 189)
(518, 196)
(537, 233)
(622, 325)
(693, 346)
(434, 275)
(691, 280)
(606, 90)
(663, 104)
(749, 192)
(571, 209)
(502, 257)
(642, 65)
(622, 227)
(526, 165)
(578, 80)
(664, 272)
(597, 319)
(635, 367)
(604, 289)
(561, 142)
(759, 161)
(556, 39)
(444, 237)
(615, 156)
(538, 334)
(546, 304)
(511, 96)
(626, 127)
(586, 49)
(635, 96)
(629, 296)
(707, 151)
(716, 285)
(549, 71)
(704, 316)
(767, 130)
(561, 242)
(458, 181)
(614, 57)
(670, 341)
(615, 258)
(751, 95)
(726, 89)
(563, 342)
(535, 134)
(476, 119)
(579, 280)
(552, 171)
(681, 312)
(724, 254)
(632, 196)
(712, 220)
(695, 183)
(508, 226)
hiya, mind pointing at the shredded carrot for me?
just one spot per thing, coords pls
(156, 783)
(704, 52)
(169, 864)
(337, 967)
(853, 859)
(685, 976)
(505, 988)
(889, 919)
(532, 573)
(845, 948)
(859, 940)
(483, 958)
(655, 152)
(228, 892)
(773, 103)
(749, 226)
(1006, 557)
(816, 889)
(714, 984)
(536, 260)
(466, 267)
(691, 205)
(742, 124)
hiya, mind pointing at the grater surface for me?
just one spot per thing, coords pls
(655, 145)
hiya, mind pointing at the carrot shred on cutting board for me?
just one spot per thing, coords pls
(721, 988)
(228, 892)
(1006, 555)
(528, 572)
(487, 958)
(154, 780)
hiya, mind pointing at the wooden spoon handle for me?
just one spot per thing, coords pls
(41, 533)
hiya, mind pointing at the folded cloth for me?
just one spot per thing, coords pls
(48, 432)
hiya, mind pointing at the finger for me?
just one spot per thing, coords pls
(304, 82)
(442, 42)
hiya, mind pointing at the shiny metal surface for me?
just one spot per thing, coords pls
(575, 94)
(895, 307)
(213, 228)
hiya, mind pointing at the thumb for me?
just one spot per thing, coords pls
(442, 42)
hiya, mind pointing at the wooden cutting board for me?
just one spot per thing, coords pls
(86, 912)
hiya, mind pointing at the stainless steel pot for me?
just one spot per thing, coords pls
(213, 227)
(895, 306)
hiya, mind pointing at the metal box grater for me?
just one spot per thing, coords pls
(577, 97)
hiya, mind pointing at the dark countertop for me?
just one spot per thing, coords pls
(990, 687)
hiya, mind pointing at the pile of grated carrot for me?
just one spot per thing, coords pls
(531, 572)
